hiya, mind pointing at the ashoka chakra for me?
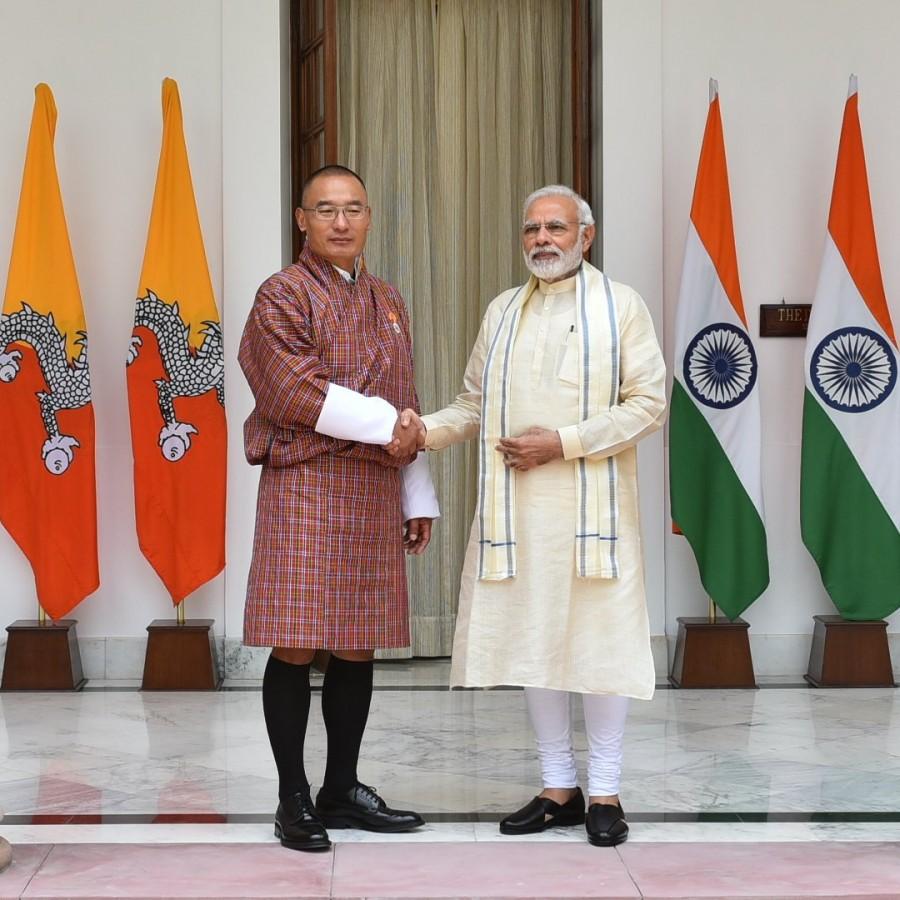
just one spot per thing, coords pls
(720, 365)
(853, 369)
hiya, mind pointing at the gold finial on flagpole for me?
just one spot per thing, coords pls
(42, 615)
(179, 613)
(712, 610)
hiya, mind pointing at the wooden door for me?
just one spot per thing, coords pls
(314, 119)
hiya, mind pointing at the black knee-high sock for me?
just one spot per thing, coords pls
(285, 695)
(346, 695)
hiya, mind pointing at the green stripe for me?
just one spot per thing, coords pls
(843, 522)
(715, 512)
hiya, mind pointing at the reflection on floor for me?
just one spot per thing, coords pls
(97, 786)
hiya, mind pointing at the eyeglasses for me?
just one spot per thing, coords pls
(327, 213)
(555, 228)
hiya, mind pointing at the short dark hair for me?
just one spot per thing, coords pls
(332, 169)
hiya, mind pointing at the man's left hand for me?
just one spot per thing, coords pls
(416, 535)
(531, 449)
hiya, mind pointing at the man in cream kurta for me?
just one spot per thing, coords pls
(565, 377)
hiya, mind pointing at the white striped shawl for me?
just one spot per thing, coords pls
(596, 480)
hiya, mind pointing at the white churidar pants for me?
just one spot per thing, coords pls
(604, 719)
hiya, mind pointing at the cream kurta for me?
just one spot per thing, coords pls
(546, 627)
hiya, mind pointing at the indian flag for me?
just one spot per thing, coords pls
(714, 425)
(850, 476)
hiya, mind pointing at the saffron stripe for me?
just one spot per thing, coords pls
(850, 220)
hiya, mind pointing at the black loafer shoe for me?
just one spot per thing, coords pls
(361, 807)
(541, 813)
(298, 827)
(606, 825)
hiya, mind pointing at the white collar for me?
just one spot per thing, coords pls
(347, 276)
(566, 286)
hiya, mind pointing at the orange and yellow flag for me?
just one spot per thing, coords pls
(176, 378)
(48, 498)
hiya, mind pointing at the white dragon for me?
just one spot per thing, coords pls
(190, 373)
(69, 384)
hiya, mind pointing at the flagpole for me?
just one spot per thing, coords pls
(713, 93)
(179, 613)
(42, 615)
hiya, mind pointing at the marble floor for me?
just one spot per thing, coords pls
(783, 791)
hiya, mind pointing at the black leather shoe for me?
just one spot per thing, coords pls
(298, 827)
(361, 807)
(541, 813)
(606, 825)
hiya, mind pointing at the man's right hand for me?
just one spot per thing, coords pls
(409, 434)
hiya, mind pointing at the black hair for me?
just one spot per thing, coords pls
(332, 169)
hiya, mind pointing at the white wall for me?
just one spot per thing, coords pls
(782, 69)
(105, 61)
(253, 233)
(632, 228)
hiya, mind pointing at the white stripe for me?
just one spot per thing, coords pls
(701, 302)
(873, 436)
(486, 415)
(612, 467)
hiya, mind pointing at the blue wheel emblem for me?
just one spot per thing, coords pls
(720, 365)
(853, 369)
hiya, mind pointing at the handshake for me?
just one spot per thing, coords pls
(409, 434)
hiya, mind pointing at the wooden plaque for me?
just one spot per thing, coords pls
(783, 319)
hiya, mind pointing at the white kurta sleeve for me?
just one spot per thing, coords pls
(642, 392)
(461, 420)
(352, 416)
(417, 496)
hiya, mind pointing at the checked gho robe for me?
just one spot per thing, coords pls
(329, 361)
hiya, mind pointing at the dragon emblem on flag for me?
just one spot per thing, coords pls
(69, 384)
(720, 365)
(190, 372)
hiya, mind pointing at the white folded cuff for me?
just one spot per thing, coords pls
(570, 438)
(417, 497)
(352, 416)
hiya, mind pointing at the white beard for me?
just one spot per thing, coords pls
(554, 269)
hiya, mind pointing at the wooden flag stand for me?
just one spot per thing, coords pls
(849, 654)
(42, 655)
(711, 653)
(181, 655)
